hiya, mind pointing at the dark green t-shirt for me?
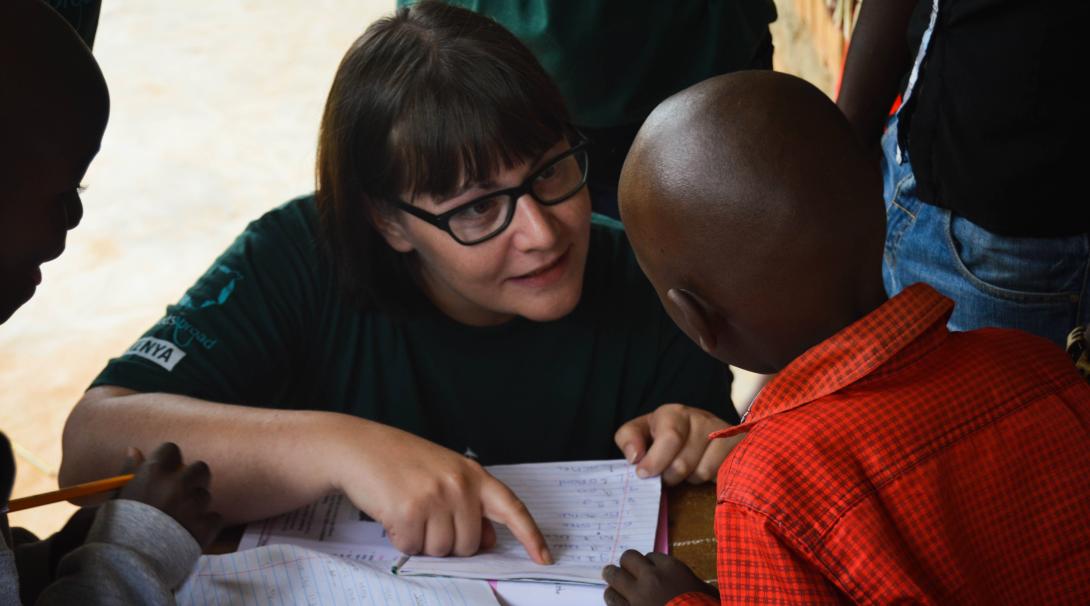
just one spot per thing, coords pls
(267, 325)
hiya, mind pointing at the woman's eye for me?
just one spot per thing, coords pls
(548, 173)
(483, 207)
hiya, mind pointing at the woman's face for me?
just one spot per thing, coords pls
(534, 268)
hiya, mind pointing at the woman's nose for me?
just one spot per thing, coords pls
(534, 226)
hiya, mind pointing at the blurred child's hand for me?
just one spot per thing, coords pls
(673, 442)
(181, 491)
(654, 579)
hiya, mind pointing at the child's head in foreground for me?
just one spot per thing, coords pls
(53, 110)
(756, 216)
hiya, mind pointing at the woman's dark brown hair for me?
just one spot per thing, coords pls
(426, 101)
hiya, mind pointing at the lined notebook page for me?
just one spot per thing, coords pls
(290, 575)
(331, 525)
(590, 512)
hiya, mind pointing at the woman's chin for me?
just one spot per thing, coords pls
(553, 306)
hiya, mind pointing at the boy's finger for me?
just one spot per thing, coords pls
(635, 563)
(197, 475)
(199, 499)
(659, 559)
(501, 505)
(168, 456)
(632, 438)
(613, 598)
(133, 459)
(206, 528)
(619, 579)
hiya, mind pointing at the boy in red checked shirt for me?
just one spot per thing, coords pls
(890, 460)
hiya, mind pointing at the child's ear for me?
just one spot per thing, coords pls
(699, 319)
(392, 231)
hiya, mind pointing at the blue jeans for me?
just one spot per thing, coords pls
(1040, 285)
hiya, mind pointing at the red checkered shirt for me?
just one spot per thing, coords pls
(897, 462)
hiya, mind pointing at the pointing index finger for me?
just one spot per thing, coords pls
(501, 505)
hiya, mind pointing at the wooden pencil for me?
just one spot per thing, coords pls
(71, 492)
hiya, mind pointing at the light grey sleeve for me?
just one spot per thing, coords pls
(9, 576)
(134, 554)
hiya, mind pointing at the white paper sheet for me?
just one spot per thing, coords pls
(332, 525)
(590, 512)
(519, 593)
(290, 575)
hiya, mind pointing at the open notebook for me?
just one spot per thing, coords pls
(289, 574)
(589, 511)
(331, 553)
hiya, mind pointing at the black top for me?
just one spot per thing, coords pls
(994, 128)
(267, 326)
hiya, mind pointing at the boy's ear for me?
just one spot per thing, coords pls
(392, 231)
(699, 319)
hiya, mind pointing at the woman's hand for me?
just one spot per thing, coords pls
(673, 441)
(430, 499)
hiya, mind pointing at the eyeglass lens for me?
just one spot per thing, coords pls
(552, 184)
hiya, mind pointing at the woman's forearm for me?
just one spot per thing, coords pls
(264, 461)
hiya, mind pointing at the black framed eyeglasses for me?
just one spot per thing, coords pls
(486, 217)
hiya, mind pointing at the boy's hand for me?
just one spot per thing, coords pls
(654, 579)
(179, 490)
(673, 442)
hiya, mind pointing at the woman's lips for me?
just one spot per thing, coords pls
(546, 275)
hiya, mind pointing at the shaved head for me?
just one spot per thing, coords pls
(53, 110)
(750, 204)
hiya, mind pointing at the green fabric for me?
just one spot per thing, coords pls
(266, 326)
(615, 60)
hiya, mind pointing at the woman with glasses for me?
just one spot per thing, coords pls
(444, 300)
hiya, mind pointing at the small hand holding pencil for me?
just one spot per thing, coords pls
(162, 481)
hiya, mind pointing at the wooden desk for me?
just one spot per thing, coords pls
(691, 510)
(691, 515)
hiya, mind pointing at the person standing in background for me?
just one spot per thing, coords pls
(615, 60)
(981, 163)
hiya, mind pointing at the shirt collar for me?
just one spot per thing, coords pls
(851, 354)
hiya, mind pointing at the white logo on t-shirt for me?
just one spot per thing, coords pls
(163, 353)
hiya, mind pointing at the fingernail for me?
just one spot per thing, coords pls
(546, 556)
(642, 473)
(130, 452)
(630, 454)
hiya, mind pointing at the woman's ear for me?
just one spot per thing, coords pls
(392, 231)
(699, 320)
